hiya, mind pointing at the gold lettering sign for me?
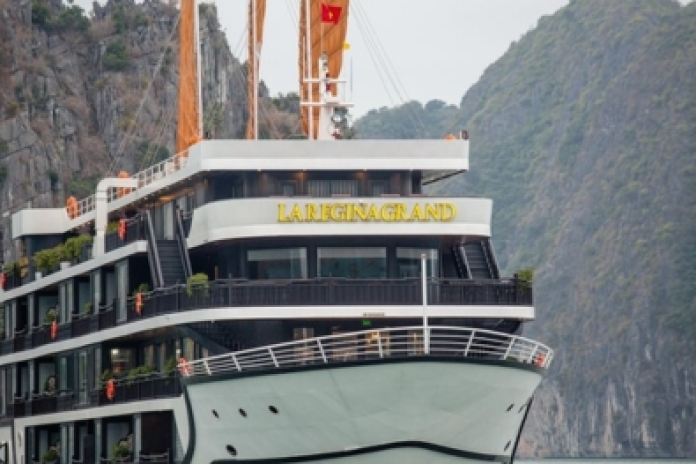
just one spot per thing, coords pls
(367, 212)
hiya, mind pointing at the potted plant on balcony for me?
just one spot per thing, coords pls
(51, 315)
(169, 368)
(121, 452)
(42, 261)
(51, 456)
(198, 285)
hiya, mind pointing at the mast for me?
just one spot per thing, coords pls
(254, 58)
(189, 124)
(257, 14)
(308, 63)
(199, 67)
(323, 28)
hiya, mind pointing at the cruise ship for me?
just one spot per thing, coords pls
(267, 301)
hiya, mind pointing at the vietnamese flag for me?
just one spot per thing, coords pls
(330, 13)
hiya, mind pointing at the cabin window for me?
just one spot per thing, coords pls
(96, 290)
(352, 263)
(122, 360)
(82, 377)
(278, 263)
(288, 188)
(5, 326)
(377, 187)
(327, 188)
(122, 282)
(3, 409)
(409, 262)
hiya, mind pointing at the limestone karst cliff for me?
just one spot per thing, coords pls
(583, 135)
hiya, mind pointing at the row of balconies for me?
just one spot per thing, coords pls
(147, 387)
(244, 293)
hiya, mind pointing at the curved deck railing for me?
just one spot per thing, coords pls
(374, 344)
(145, 177)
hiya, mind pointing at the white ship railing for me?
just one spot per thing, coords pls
(146, 177)
(374, 344)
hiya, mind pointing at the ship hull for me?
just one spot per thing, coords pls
(401, 410)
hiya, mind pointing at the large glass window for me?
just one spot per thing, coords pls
(279, 263)
(122, 277)
(353, 263)
(82, 376)
(409, 262)
(326, 188)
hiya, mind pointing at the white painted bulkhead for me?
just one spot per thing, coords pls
(259, 217)
(468, 407)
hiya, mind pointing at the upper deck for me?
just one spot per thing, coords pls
(441, 156)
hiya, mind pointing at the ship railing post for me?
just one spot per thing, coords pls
(275, 361)
(424, 290)
(468, 344)
(509, 348)
(321, 350)
(207, 367)
(533, 353)
(236, 363)
(379, 344)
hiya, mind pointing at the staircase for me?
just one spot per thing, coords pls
(461, 262)
(171, 263)
(481, 261)
(169, 260)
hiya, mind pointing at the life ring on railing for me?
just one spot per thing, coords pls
(110, 389)
(123, 190)
(122, 229)
(540, 360)
(71, 207)
(3, 280)
(138, 303)
(54, 329)
(184, 367)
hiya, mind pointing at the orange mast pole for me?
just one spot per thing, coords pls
(188, 127)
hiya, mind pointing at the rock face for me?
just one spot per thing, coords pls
(80, 99)
(583, 134)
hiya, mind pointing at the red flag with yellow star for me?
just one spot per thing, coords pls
(330, 13)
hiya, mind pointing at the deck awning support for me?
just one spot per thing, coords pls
(101, 212)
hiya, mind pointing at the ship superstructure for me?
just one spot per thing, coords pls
(267, 301)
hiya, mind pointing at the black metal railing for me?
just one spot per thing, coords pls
(135, 230)
(316, 292)
(142, 388)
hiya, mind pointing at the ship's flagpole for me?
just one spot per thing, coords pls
(424, 284)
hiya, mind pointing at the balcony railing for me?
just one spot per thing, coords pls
(142, 388)
(376, 344)
(244, 293)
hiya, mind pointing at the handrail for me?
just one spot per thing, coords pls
(376, 344)
(145, 177)
(183, 247)
(153, 252)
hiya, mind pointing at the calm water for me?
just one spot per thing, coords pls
(606, 461)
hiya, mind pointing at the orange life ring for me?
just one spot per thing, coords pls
(540, 360)
(184, 367)
(54, 329)
(3, 280)
(110, 389)
(71, 207)
(122, 229)
(138, 303)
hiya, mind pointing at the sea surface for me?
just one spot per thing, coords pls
(605, 461)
